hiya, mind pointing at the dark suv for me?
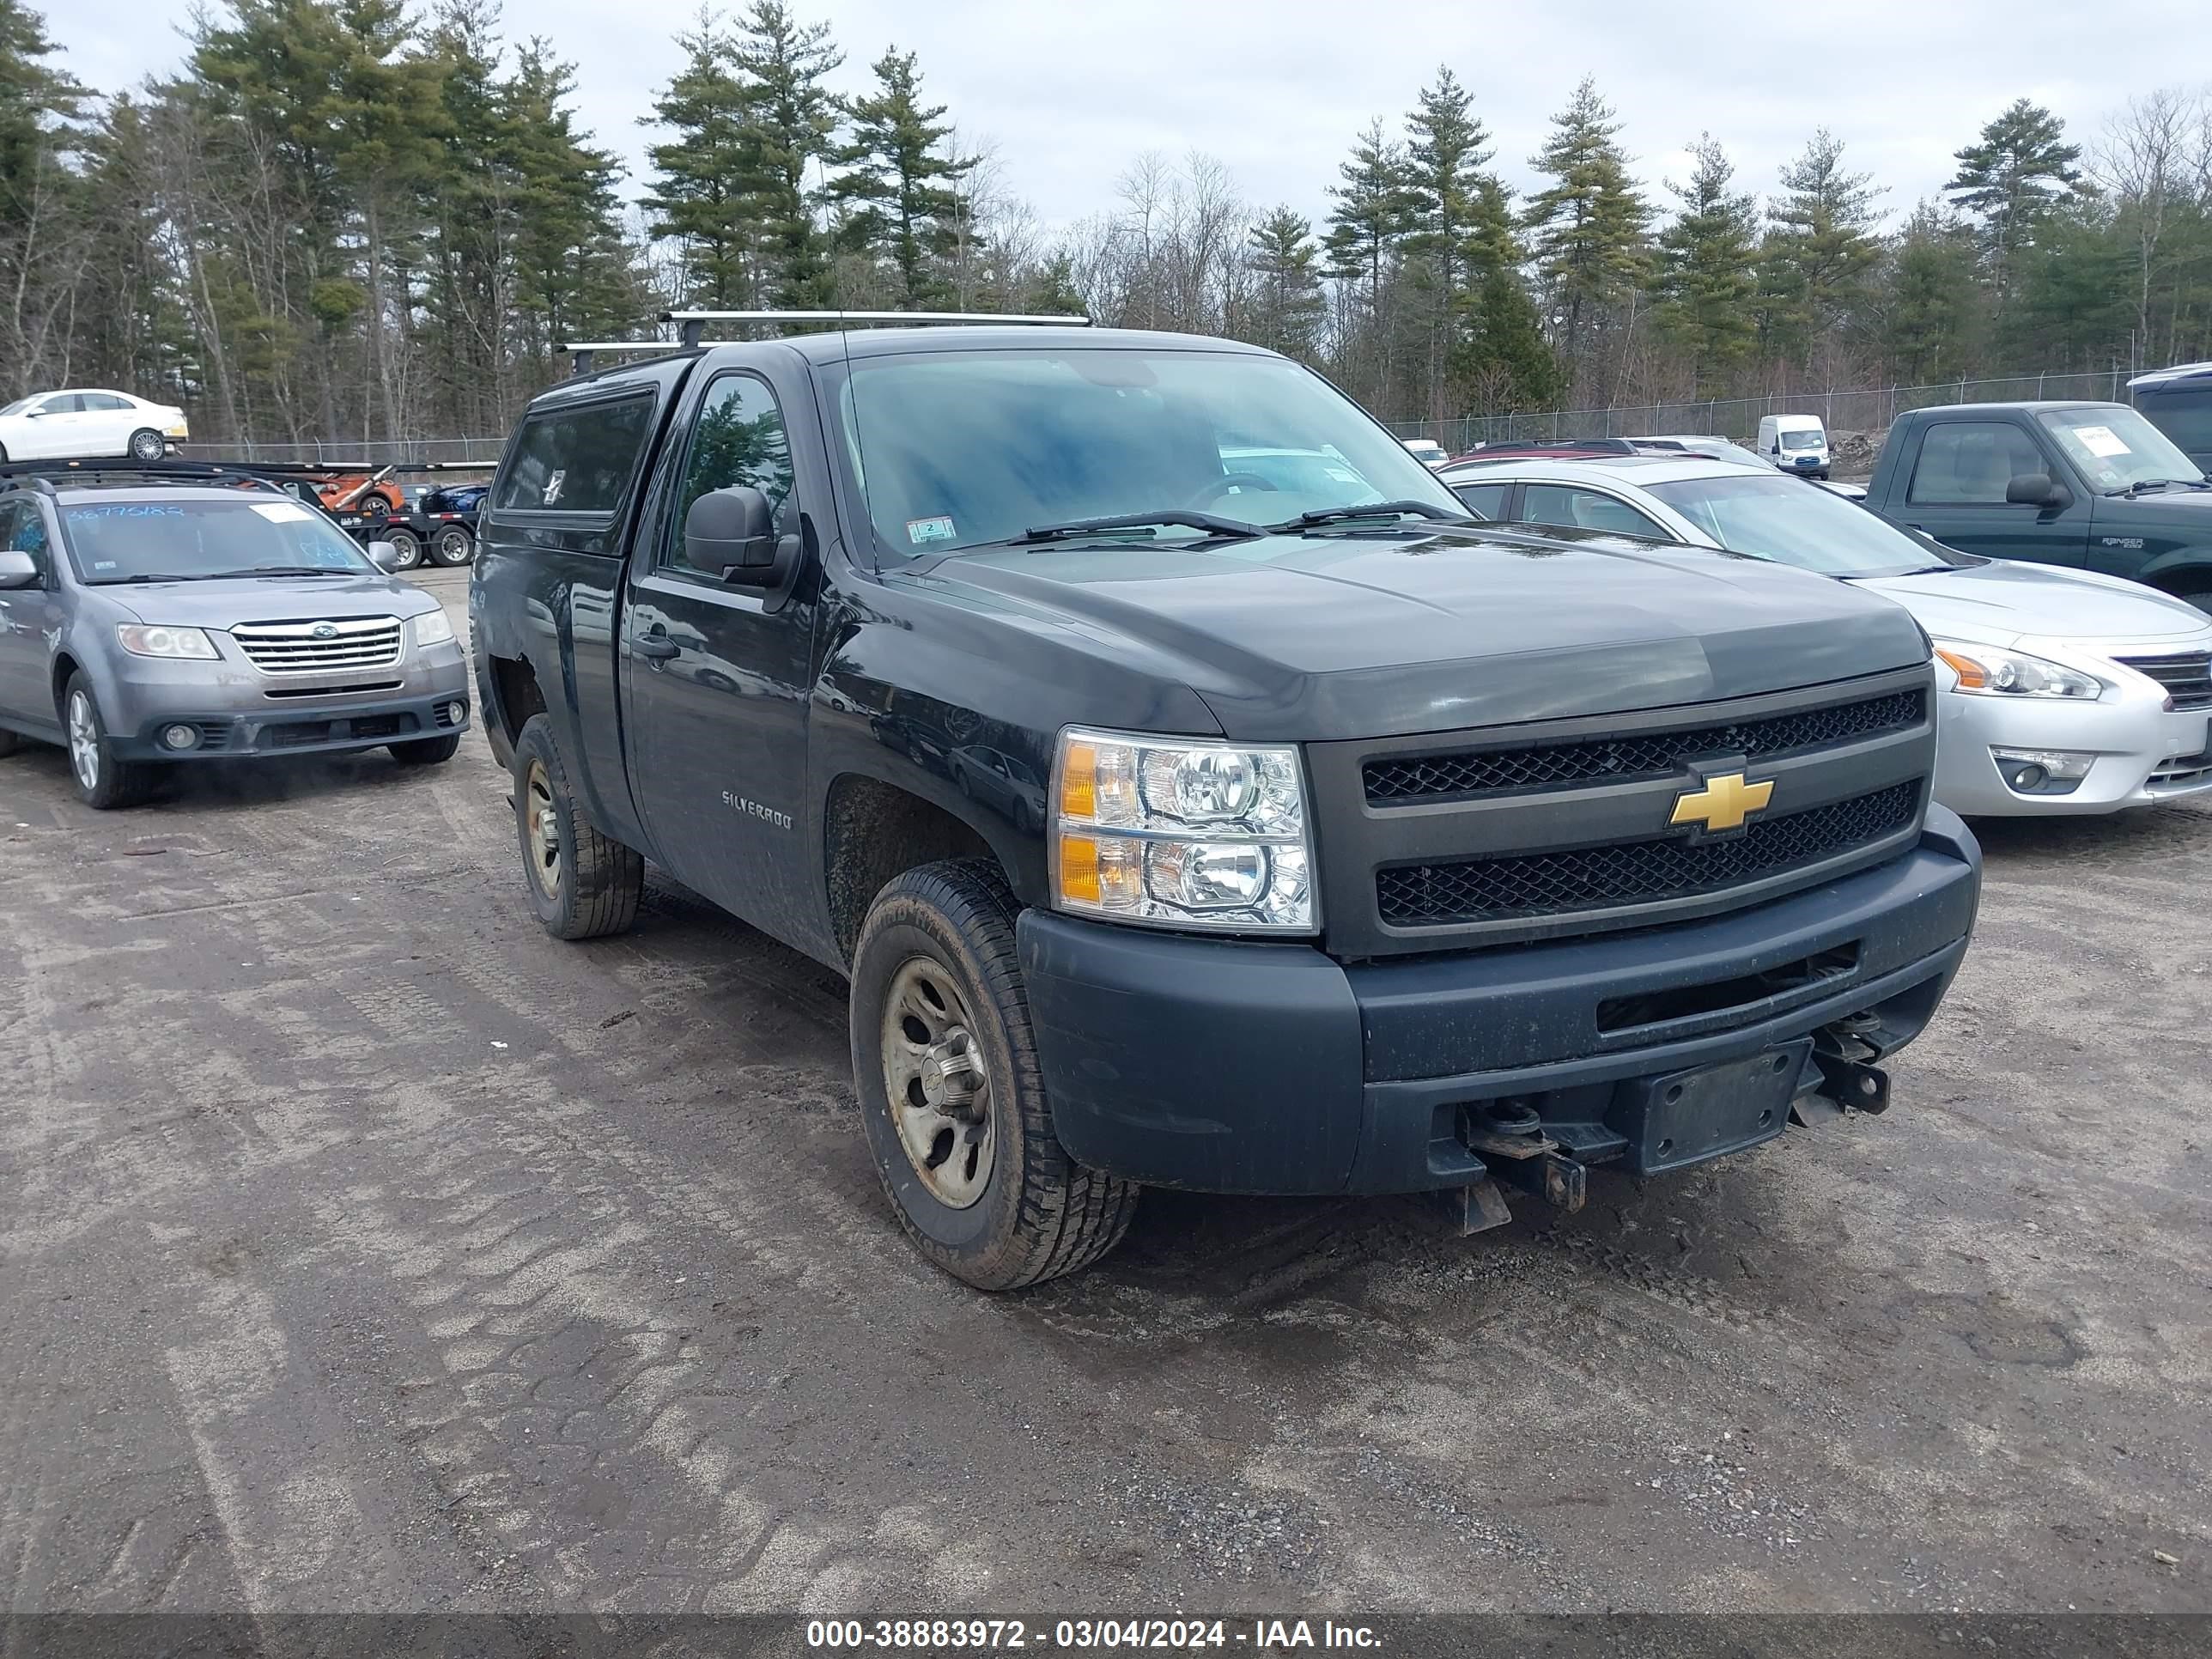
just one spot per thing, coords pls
(1187, 822)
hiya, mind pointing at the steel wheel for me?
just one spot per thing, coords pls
(407, 551)
(83, 741)
(542, 831)
(933, 1078)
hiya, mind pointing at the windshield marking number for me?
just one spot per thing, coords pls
(920, 531)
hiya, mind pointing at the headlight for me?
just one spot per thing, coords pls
(1181, 832)
(433, 628)
(157, 642)
(1986, 671)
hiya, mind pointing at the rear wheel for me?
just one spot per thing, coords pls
(103, 782)
(406, 546)
(147, 445)
(952, 1097)
(582, 884)
(453, 545)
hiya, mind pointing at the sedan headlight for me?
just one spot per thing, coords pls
(1986, 671)
(159, 641)
(1182, 833)
(433, 628)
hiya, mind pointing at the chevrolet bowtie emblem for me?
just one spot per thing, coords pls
(1724, 802)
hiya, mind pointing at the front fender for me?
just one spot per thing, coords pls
(2179, 570)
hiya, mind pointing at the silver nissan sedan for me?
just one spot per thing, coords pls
(2060, 690)
(147, 623)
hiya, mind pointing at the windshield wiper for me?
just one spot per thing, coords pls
(2163, 483)
(1180, 517)
(278, 570)
(1372, 510)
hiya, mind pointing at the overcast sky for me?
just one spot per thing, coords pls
(1069, 93)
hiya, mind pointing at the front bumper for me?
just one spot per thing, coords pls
(234, 716)
(1227, 1066)
(2145, 753)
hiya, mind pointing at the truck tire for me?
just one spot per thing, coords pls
(952, 1100)
(103, 782)
(406, 545)
(582, 884)
(452, 547)
(427, 751)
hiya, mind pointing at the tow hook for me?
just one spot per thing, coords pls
(1848, 1083)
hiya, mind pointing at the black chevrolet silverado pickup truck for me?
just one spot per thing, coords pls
(1192, 794)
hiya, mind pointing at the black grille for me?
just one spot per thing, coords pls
(1639, 871)
(1654, 754)
(2187, 678)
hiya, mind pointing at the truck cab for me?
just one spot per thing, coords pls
(2091, 486)
(1182, 821)
(2177, 401)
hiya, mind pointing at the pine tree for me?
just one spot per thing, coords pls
(1927, 318)
(701, 192)
(2009, 180)
(1501, 365)
(791, 120)
(902, 180)
(1706, 276)
(1587, 229)
(35, 101)
(1373, 210)
(1819, 248)
(1285, 263)
(1455, 209)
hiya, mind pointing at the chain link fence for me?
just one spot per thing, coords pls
(1866, 411)
(410, 451)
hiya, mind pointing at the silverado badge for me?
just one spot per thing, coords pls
(1723, 803)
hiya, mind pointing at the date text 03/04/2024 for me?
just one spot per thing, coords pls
(935, 1634)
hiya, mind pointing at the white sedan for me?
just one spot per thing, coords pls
(2061, 690)
(89, 423)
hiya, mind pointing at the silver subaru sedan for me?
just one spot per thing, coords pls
(147, 622)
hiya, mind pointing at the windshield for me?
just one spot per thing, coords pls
(187, 540)
(964, 449)
(1722, 450)
(1802, 440)
(2184, 416)
(1792, 522)
(22, 403)
(2116, 448)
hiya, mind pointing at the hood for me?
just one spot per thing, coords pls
(2188, 509)
(2001, 601)
(222, 604)
(1328, 637)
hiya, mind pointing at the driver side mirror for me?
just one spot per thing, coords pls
(384, 555)
(734, 531)
(17, 570)
(2038, 489)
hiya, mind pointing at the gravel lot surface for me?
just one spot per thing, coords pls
(366, 1249)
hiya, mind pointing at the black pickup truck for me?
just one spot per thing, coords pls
(2089, 486)
(1192, 794)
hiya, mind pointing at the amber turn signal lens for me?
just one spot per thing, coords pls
(1971, 676)
(1079, 869)
(1078, 781)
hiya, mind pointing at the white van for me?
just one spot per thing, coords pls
(1795, 443)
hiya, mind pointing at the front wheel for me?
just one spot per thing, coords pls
(103, 782)
(427, 751)
(147, 445)
(581, 884)
(452, 546)
(953, 1099)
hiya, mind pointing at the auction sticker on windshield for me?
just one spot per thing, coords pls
(919, 531)
(2100, 441)
(280, 512)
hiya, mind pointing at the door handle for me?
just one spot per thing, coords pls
(656, 644)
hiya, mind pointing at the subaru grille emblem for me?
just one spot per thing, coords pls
(324, 630)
